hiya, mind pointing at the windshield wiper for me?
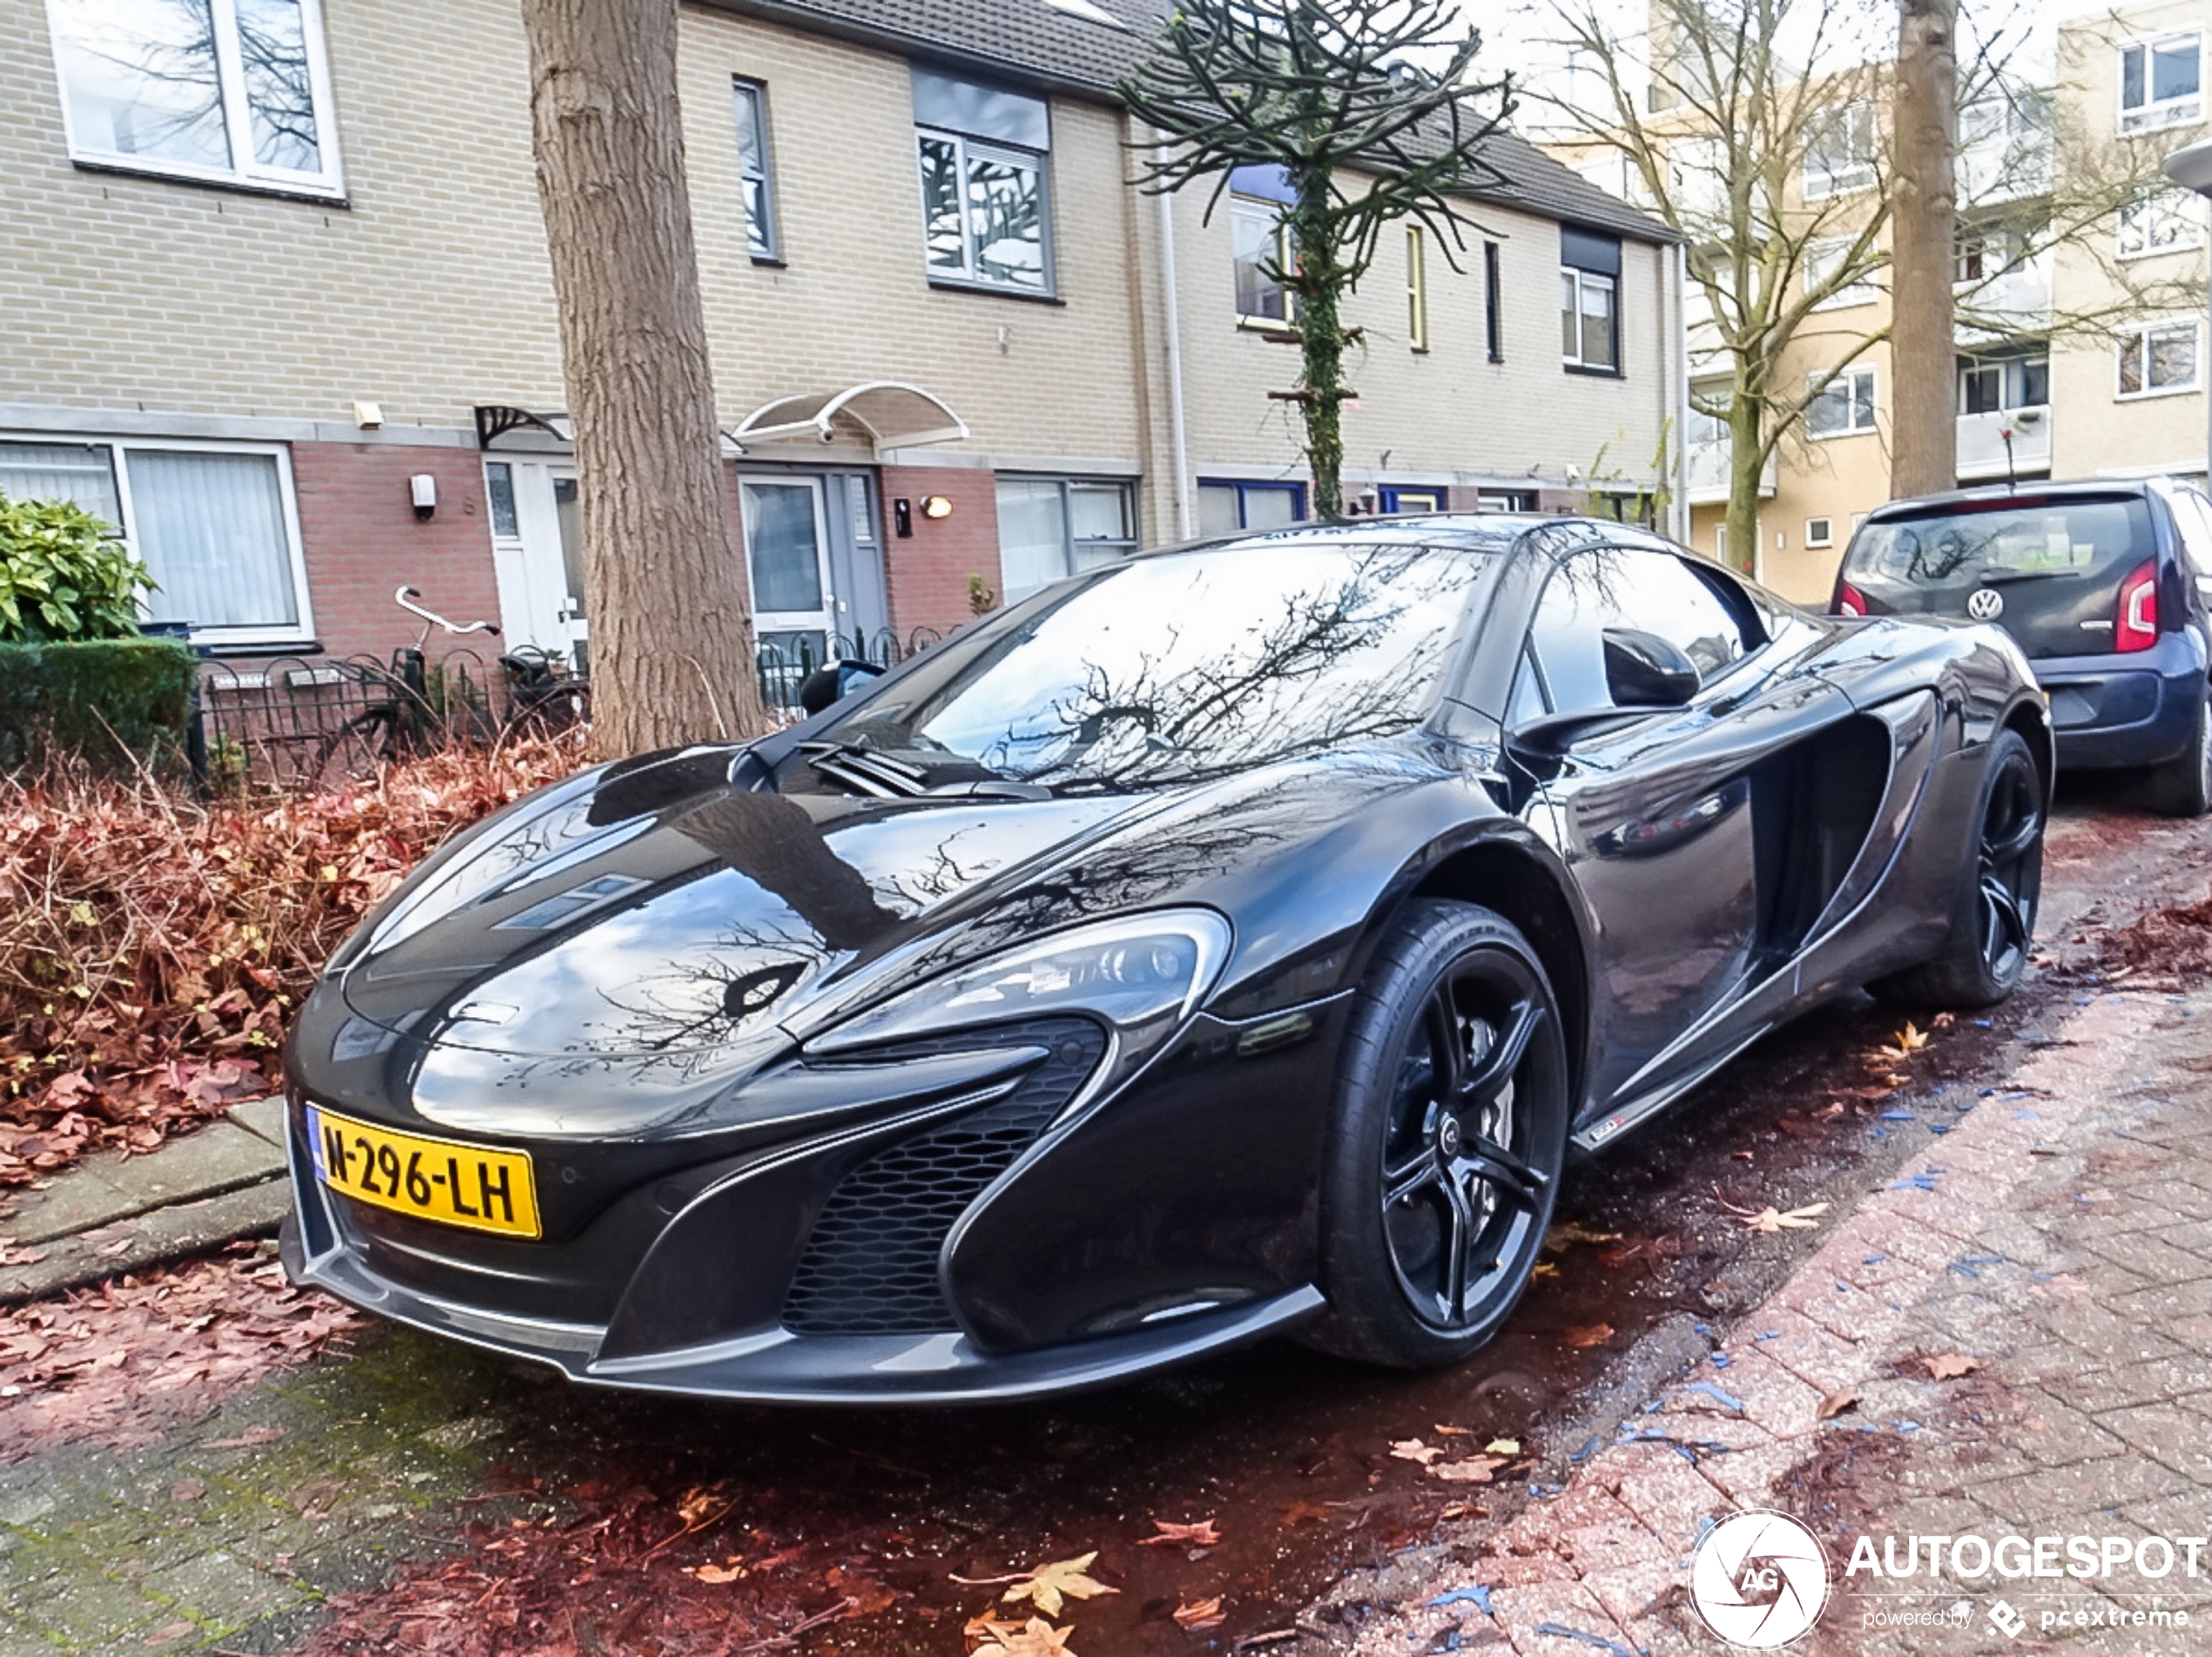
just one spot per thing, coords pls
(865, 770)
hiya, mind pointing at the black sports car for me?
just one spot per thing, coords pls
(1232, 939)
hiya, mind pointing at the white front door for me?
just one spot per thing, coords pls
(537, 550)
(787, 566)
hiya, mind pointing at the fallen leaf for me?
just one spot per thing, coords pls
(1502, 1447)
(1199, 1613)
(250, 1436)
(718, 1574)
(1476, 1470)
(1046, 1586)
(1415, 1450)
(1304, 1512)
(1829, 1112)
(1464, 1510)
(1911, 1038)
(1036, 1638)
(1769, 1220)
(701, 1503)
(1202, 1535)
(1836, 1402)
(1949, 1366)
(1560, 1237)
(1588, 1335)
(187, 1490)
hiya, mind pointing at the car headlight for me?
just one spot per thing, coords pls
(1143, 974)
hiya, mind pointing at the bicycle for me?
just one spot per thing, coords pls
(411, 708)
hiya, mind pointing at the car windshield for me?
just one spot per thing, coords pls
(1940, 558)
(1183, 666)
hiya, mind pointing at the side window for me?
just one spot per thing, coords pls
(1627, 587)
(2193, 517)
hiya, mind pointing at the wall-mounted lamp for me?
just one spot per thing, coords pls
(422, 492)
(934, 507)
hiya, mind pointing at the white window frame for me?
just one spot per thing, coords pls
(1847, 381)
(969, 274)
(1849, 180)
(118, 449)
(2155, 113)
(1242, 205)
(243, 173)
(1584, 280)
(2160, 209)
(1822, 536)
(2140, 336)
(1831, 250)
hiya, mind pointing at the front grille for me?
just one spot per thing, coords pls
(870, 1264)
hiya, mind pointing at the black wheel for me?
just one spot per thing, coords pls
(354, 751)
(1993, 921)
(2183, 786)
(1446, 1146)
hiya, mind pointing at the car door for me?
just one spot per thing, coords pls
(1659, 815)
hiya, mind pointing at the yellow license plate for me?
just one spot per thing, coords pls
(433, 1179)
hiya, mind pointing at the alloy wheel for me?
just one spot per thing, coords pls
(1458, 1194)
(2010, 866)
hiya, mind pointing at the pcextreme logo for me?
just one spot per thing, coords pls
(1760, 1580)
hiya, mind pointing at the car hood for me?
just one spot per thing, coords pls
(657, 909)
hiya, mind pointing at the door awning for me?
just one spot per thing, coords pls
(892, 415)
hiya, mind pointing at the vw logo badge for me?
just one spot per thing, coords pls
(1986, 604)
(1760, 1580)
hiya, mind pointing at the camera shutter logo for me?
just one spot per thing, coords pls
(1985, 603)
(1760, 1580)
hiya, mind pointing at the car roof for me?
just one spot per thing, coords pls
(1998, 493)
(1493, 532)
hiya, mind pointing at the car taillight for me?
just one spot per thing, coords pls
(1848, 600)
(2135, 626)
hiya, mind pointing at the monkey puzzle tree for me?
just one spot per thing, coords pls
(1370, 109)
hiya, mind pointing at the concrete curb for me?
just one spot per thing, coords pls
(110, 1214)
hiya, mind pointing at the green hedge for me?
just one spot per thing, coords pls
(79, 699)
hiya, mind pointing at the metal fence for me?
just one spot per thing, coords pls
(305, 722)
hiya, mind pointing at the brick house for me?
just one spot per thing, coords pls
(276, 300)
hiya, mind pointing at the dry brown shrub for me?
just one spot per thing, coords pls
(151, 950)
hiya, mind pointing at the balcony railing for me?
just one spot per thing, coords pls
(1709, 474)
(2008, 304)
(1981, 442)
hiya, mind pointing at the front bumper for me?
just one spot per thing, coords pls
(1171, 1219)
(2109, 711)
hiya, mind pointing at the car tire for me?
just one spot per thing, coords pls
(1993, 920)
(2183, 786)
(1440, 1178)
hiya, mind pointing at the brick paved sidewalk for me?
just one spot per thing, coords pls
(2059, 1236)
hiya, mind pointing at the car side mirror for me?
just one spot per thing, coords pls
(1644, 670)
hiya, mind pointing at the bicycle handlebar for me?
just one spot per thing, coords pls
(406, 593)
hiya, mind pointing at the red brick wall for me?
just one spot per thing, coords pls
(362, 540)
(928, 573)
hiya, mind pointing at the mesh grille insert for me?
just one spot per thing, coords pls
(870, 1264)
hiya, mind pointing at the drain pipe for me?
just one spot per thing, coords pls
(1178, 434)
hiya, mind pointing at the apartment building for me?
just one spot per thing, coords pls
(2081, 353)
(276, 300)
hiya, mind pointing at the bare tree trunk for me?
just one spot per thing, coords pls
(670, 644)
(1923, 429)
(1746, 472)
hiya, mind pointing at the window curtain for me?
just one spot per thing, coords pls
(211, 527)
(78, 472)
(1033, 536)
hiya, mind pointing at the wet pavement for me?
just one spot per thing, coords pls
(412, 1480)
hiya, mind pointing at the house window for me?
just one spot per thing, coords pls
(215, 523)
(985, 207)
(234, 91)
(2156, 359)
(2161, 82)
(1820, 532)
(1839, 151)
(753, 168)
(1261, 246)
(1998, 388)
(2165, 221)
(1225, 508)
(1492, 305)
(1845, 407)
(1049, 528)
(1709, 415)
(1416, 288)
(1823, 258)
(1589, 312)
